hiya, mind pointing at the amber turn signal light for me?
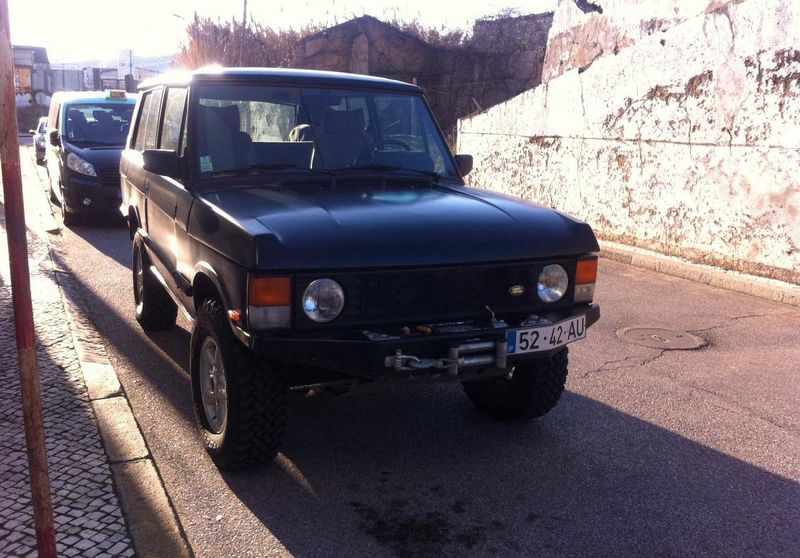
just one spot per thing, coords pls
(586, 272)
(270, 291)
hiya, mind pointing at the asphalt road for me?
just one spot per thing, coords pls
(649, 452)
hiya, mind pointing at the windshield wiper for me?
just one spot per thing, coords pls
(94, 143)
(269, 167)
(388, 168)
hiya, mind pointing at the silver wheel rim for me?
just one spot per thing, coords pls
(139, 276)
(213, 387)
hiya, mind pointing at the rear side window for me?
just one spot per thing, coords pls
(147, 129)
(173, 117)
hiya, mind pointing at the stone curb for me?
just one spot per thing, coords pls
(761, 287)
(153, 524)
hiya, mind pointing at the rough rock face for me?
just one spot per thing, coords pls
(584, 31)
(503, 59)
(687, 142)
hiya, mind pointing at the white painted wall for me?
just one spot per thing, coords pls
(578, 38)
(690, 147)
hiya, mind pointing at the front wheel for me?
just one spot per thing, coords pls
(70, 219)
(532, 390)
(239, 398)
(155, 310)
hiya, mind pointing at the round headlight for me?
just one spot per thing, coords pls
(553, 282)
(323, 300)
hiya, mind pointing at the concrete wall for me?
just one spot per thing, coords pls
(686, 142)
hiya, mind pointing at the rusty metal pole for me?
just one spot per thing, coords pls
(21, 295)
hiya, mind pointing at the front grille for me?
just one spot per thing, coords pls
(426, 295)
(109, 177)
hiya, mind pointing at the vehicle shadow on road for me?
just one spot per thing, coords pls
(419, 473)
(102, 232)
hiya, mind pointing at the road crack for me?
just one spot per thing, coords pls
(730, 321)
(642, 361)
(733, 406)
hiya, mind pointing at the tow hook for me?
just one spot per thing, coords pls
(472, 354)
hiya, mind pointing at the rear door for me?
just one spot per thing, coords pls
(166, 195)
(144, 136)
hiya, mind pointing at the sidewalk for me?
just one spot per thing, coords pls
(87, 514)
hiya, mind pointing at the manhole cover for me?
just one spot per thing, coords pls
(660, 338)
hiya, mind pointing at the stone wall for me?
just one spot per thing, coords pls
(504, 58)
(507, 34)
(686, 142)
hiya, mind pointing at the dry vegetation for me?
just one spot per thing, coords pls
(233, 43)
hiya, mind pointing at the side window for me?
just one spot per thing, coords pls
(147, 128)
(173, 117)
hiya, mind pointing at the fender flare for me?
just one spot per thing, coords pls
(205, 269)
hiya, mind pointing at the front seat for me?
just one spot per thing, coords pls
(342, 139)
(223, 145)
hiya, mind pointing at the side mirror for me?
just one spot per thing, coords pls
(464, 163)
(55, 139)
(32, 132)
(162, 161)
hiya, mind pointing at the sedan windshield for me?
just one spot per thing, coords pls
(250, 128)
(98, 124)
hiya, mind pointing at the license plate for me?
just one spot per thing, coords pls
(546, 337)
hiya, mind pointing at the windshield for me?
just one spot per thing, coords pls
(251, 128)
(98, 124)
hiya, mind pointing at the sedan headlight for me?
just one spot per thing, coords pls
(553, 283)
(323, 300)
(80, 165)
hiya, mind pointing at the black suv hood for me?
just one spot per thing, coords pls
(314, 227)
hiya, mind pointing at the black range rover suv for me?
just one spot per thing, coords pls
(317, 232)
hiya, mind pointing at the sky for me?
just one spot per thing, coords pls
(77, 30)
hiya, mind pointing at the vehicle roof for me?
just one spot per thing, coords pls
(284, 76)
(91, 96)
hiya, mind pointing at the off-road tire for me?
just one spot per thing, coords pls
(155, 310)
(534, 388)
(256, 396)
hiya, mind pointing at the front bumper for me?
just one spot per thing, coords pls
(103, 199)
(374, 355)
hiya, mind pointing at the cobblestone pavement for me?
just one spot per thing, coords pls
(87, 514)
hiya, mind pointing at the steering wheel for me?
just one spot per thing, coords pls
(402, 144)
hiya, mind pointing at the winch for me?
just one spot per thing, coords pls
(472, 354)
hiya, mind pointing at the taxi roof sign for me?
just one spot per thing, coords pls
(116, 94)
